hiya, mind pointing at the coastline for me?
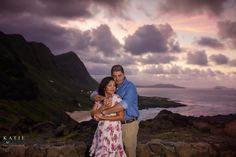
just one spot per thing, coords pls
(80, 116)
(145, 103)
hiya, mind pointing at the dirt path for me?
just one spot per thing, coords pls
(79, 116)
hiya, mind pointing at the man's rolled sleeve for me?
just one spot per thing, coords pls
(124, 104)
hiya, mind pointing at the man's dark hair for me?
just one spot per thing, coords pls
(117, 68)
(103, 84)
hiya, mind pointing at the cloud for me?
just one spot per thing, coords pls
(41, 31)
(104, 40)
(150, 38)
(210, 42)
(60, 39)
(192, 7)
(60, 8)
(179, 72)
(100, 69)
(219, 59)
(113, 7)
(105, 69)
(232, 62)
(49, 8)
(157, 59)
(197, 58)
(95, 57)
(144, 10)
(227, 32)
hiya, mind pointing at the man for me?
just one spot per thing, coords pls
(128, 93)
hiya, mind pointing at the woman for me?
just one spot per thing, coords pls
(107, 141)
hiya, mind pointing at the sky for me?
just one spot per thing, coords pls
(190, 43)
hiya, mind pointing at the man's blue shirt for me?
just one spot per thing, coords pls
(128, 93)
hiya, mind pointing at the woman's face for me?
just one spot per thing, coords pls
(110, 88)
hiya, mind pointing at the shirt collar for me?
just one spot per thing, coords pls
(124, 82)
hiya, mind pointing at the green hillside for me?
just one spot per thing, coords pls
(37, 86)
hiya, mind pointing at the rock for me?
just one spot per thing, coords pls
(195, 150)
(202, 126)
(35, 151)
(230, 128)
(156, 148)
(169, 149)
(53, 151)
(183, 149)
(143, 150)
(60, 131)
(69, 150)
(12, 151)
(165, 120)
(62, 151)
(17, 151)
(4, 152)
(44, 127)
(228, 154)
(217, 131)
(81, 148)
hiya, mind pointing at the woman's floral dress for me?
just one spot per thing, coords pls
(107, 141)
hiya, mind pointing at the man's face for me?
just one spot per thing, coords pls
(118, 76)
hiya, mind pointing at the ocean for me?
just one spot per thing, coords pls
(200, 102)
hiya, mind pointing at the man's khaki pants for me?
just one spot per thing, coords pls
(129, 137)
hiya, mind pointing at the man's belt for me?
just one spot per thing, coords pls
(129, 120)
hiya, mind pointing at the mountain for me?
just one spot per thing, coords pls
(36, 85)
(42, 73)
(160, 86)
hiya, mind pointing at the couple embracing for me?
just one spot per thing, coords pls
(116, 109)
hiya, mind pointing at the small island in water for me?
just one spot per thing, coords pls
(159, 86)
(222, 87)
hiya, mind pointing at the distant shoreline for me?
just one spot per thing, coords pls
(160, 86)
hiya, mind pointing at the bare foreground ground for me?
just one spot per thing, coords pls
(79, 116)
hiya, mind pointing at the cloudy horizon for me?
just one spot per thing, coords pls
(190, 43)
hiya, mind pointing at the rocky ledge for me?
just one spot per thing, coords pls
(167, 135)
(174, 135)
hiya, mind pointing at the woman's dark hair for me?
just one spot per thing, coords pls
(103, 85)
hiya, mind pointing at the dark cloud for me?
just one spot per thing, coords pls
(60, 39)
(232, 62)
(103, 40)
(227, 31)
(210, 42)
(158, 59)
(60, 8)
(219, 59)
(114, 7)
(150, 38)
(197, 58)
(49, 8)
(41, 31)
(192, 7)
